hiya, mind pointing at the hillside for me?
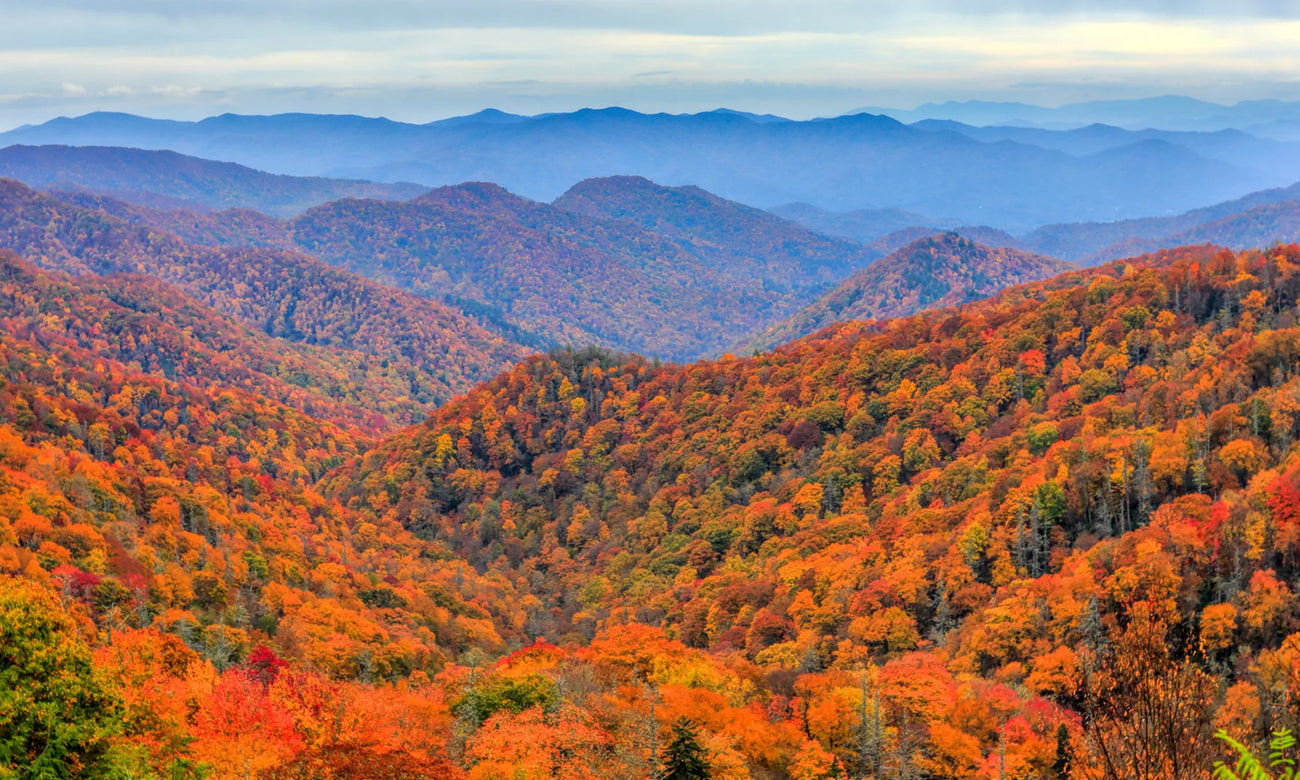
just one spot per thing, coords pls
(932, 272)
(1054, 529)
(571, 278)
(736, 239)
(413, 353)
(1079, 497)
(231, 227)
(148, 482)
(859, 161)
(1108, 240)
(167, 179)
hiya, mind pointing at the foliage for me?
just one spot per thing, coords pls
(359, 342)
(932, 272)
(58, 714)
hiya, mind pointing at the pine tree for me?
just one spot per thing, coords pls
(684, 758)
(1064, 753)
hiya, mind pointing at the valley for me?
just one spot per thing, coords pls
(309, 477)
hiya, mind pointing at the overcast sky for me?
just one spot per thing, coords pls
(418, 60)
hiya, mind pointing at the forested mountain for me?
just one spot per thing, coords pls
(931, 272)
(1037, 536)
(167, 179)
(573, 278)
(419, 352)
(996, 539)
(860, 161)
(142, 323)
(148, 480)
(739, 240)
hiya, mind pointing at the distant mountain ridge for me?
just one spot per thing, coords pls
(1168, 112)
(168, 180)
(843, 163)
(1091, 242)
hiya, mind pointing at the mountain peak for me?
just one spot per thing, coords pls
(471, 196)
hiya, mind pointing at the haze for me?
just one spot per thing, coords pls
(419, 61)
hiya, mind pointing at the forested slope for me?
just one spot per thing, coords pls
(931, 272)
(1075, 500)
(415, 352)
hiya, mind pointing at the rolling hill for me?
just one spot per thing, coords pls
(1106, 240)
(932, 272)
(419, 353)
(844, 163)
(736, 239)
(715, 272)
(169, 180)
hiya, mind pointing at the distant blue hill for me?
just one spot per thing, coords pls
(1167, 112)
(861, 161)
(166, 179)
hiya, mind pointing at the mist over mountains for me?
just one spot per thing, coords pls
(1010, 178)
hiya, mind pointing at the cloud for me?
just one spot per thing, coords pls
(153, 55)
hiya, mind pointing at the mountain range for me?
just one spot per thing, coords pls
(372, 487)
(860, 161)
(1268, 118)
(169, 180)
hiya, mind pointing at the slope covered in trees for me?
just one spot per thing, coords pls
(572, 278)
(415, 352)
(1053, 534)
(163, 178)
(231, 227)
(931, 272)
(1074, 501)
(157, 509)
(737, 239)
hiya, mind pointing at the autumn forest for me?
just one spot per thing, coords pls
(383, 483)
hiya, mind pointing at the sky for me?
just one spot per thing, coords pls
(420, 60)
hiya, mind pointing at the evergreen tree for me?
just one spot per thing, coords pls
(684, 758)
(1064, 753)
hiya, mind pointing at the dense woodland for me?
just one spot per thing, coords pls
(1055, 534)
(406, 353)
(932, 271)
(574, 278)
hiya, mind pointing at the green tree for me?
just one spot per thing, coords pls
(684, 758)
(57, 714)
